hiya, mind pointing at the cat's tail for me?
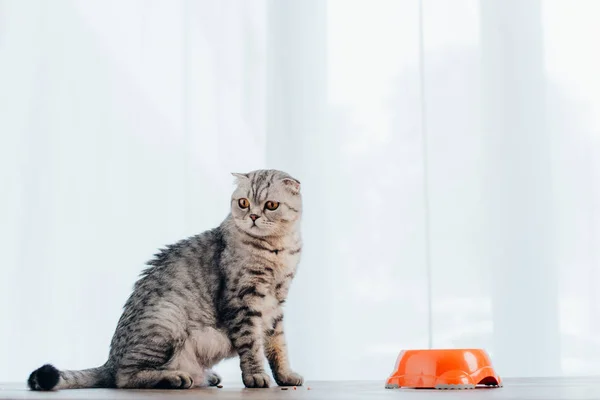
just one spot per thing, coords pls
(48, 377)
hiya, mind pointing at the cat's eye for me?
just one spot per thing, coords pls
(271, 205)
(243, 203)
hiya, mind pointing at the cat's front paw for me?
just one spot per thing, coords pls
(289, 378)
(258, 380)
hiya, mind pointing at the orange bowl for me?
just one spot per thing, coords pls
(443, 369)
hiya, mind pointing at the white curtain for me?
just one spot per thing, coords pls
(448, 153)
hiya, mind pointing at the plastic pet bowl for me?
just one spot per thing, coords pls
(443, 369)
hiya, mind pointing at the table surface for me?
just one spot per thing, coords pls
(534, 388)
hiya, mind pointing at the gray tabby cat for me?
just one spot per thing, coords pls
(206, 298)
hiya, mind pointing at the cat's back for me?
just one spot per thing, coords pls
(190, 265)
(184, 276)
(178, 289)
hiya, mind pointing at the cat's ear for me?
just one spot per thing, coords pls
(239, 177)
(292, 184)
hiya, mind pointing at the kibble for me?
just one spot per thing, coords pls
(295, 388)
(284, 388)
(220, 386)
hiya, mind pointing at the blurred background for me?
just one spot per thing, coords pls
(448, 151)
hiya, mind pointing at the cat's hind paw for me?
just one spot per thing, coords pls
(175, 380)
(212, 378)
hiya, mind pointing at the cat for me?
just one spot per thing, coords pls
(207, 298)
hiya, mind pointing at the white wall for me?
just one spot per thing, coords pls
(448, 153)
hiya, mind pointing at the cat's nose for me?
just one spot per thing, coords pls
(254, 217)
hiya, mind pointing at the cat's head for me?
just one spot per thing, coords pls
(266, 202)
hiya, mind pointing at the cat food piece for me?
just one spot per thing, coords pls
(308, 388)
(220, 386)
(284, 388)
(295, 388)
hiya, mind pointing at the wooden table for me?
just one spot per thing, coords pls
(540, 388)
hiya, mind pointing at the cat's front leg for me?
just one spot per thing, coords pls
(276, 352)
(247, 336)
